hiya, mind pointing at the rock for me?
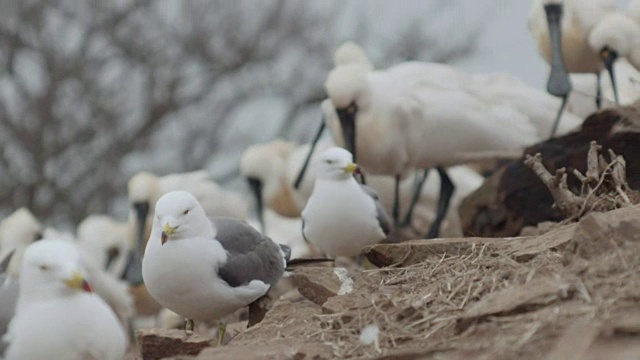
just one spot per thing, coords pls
(514, 197)
(318, 284)
(575, 341)
(162, 343)
(599, 233)
(536, 292)
(283, 349)
(415, 251)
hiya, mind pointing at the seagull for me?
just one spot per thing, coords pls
(57, 316)
(561, 30)
(342, 216)
(205, 268)
(21, 229)
(419, 115)
(144, 190)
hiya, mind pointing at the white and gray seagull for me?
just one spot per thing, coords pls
(205, 268)
(342, 216)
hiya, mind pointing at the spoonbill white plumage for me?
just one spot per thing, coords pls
(111, 247)
(425, 115)
(560, 29)
(616, 35)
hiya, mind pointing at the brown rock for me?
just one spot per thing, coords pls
(318, 284)
(599, 233)
(415, 251)
(514, 197)
(536, 292)
(283, 349)
(162, 343)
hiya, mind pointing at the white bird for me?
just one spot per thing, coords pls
(111, 247)
(18, 230)
(616, 35)
(57, 316)
(561, 31)
(8, 298)
(418, 115)
(144, 190)
(271, 169)
(204, 269)
(263, 165)
(21, 229)
(342, 216)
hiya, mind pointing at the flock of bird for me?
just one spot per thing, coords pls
(192, 250)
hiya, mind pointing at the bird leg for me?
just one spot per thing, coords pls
(417, 191)
(609, 58)
(188, 326)
(222, 328)
(556, 122)
(598, 91)
(396, 202)
(305, 165)
(446, 191)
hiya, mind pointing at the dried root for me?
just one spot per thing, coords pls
(604, 184)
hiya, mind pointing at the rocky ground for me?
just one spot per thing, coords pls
(566, 290)
(570, 293)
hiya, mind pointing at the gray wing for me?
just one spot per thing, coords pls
(250, 255)
(8, 298)
(383, 218)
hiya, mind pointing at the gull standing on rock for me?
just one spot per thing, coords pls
(57, 316)
(342, 216)
(204, 269)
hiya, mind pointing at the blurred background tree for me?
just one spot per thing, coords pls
(92, 92)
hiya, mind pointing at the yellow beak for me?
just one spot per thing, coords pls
(78, 281)
(351, 168)
(166, 232)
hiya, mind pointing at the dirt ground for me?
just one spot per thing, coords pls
(570, 293)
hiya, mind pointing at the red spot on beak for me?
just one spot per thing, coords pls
(163, 238)
(358, 170)
(86, 287)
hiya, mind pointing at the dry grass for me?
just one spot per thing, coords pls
(479, 300)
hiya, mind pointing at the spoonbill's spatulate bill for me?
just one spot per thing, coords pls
(560, 30)
(559, 83)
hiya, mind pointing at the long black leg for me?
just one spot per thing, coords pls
(446, 191)
(296, 184)
(396, 202)
(556, 122)
(598, 91)
(417, 191)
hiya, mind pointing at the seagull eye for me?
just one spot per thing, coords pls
(329, 162)
(185, 212)
(44, 267)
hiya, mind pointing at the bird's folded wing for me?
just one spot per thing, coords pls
(250, 255)
(381, 214)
